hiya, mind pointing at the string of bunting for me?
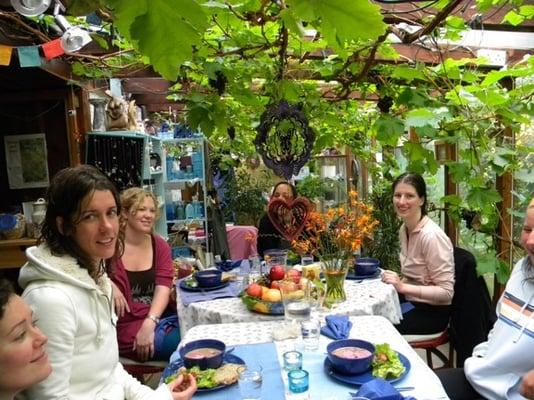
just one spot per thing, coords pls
(29, 56)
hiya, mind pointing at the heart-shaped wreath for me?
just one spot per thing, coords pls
(289, 217)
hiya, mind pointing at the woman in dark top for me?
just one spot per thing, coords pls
(268, 236)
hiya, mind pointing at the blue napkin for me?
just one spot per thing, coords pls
(380, 389)
(337, 327)
(231, 290)
(406, 307)
(228, 265)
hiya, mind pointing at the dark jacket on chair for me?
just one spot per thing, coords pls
(473, 314)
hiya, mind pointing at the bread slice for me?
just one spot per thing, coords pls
(227, 374)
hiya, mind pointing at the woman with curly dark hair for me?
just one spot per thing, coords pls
(66, 284)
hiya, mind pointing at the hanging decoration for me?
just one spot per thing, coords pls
(284, 139)
(289, 217)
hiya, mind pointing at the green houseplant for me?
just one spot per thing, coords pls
(384, 244)
(245, 194)
(311, 187)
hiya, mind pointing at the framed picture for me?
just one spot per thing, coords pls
(26, 161)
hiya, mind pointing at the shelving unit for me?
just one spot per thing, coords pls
(184, 171)
(125, 157)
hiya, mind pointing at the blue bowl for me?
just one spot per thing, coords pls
(203, 361)
(208, 277)
(350, 366)
(366, 266)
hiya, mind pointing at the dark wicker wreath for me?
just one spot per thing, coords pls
(284, 139)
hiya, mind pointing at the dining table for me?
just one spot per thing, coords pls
(254, 343)
(364, 297)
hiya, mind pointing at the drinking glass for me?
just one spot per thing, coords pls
(249, 381)
(311, 331)
(298, 381)
(297, 306)
(292, 360)
(275, 257)
(306, 260)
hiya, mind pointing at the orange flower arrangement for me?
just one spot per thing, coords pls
(334, 236)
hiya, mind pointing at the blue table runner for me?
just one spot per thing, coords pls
(263, 354)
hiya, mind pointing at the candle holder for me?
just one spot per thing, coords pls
(292, 360)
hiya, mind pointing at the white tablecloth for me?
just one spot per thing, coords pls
(368, 297)
(375, 329)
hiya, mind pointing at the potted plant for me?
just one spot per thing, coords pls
(245, 194)
(314, 189)
(384, 244)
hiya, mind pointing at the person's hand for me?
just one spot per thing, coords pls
(392, 278)
(527, 385)
(185, 394)
(144, 340)
(119, 301)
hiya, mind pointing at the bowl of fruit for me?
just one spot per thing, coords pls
(264, 296)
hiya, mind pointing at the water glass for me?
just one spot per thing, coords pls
(297, 306)
(298, 381)
(311, 332)
(306, 260)
(292, 360)
(249, 381)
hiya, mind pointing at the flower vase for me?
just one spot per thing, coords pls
(335, 285)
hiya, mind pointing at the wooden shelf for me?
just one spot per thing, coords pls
(12, 254)
(18, 242)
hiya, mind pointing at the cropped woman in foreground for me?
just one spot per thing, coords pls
(142, 280)
(65, 283)
(427, 262)
(23, 359)
(503, 366)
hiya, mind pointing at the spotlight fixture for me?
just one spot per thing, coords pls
(74, 37)
(31, 8)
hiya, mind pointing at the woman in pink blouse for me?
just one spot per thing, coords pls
(427, 263)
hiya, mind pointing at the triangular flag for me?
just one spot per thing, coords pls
(53, 49)
(5, 54)
(29, 56)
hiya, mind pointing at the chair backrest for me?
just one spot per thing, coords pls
(472, 314)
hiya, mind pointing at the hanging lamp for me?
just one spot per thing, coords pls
(31, 8)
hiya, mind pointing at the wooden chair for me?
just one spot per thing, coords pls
(430, 344)
(139, 369)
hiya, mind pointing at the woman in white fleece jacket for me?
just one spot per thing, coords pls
(501, 367)
(65, 284)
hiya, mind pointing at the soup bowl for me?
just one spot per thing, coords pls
(208, 277)
(203, 353)
(349, 361)
(366, 266)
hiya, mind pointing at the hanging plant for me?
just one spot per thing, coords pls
(284, 139)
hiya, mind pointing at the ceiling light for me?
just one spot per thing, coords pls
(31, 8)
(74, 37)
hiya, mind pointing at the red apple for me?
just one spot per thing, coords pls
(254, 290)
(294, 275)
(276, 272)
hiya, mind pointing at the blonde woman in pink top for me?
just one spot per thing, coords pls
(427, 263)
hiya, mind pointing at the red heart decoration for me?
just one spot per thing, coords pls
(289, 217)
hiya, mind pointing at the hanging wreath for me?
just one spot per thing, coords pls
(284, 139)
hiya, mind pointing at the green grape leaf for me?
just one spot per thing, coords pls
(422, 117)
(151, 24)
(388, 129)
(337, 18)
(407, 73)
(479, 197)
